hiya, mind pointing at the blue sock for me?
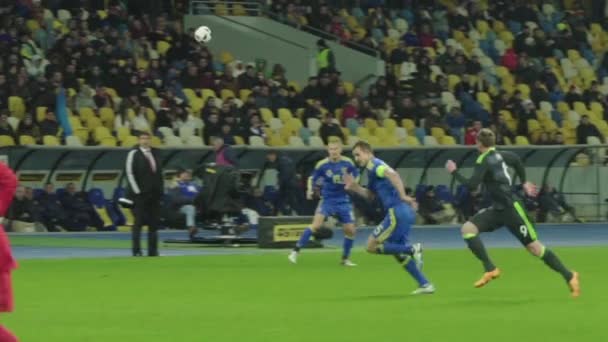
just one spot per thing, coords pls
(303, 239)
(413, 270)
(347, 245)
(396, 248)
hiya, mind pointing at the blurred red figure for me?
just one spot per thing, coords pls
(8, 185)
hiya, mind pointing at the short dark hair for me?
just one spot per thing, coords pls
(486, 137)
(144, 133)
(364, 146)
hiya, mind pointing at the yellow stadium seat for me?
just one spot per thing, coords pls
(16, 106)
(151, 93)
(573, 55)
(363, 133)
(285, 115)
(85, 113)
(447, 140)
(26, 140)
(239, 140)
(390, 125)
(409, 125)
(142, 64)
(438, 133)
(108, 141)
(533, 125)
(563, 107)
(580, 107)
(156, 142)
(380, 132)
(221, 9)
(275, 140)
(122, 133)
(82, 134)
(412, 141)
(238, 10)
(267, 115)
(50, 140)
(40, 113)
(111, 91)
(6, 140)
(521, 140)
(93, 122)
(349, 87)
(196, 104)
(524, 89)
(190, 94)
(129, 141)
(100, 133)
(162, 47)
(207, 93)
(371, 125)
(151, 116)
(226, 57)
(244, 94)
(296, 85)
(226, 94)
(453, 80)
(106, 115)
(75, 122)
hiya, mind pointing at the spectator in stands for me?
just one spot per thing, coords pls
(224, 155)
(435, 119)
(593, 94)
(400, 55)
(287, 181)
(312, 91)
(573, 95)
(470, 137)
(122, 120)
(52, 214)
(212, 127)
(49, 126)
(21, 213)
(313, 110)
(538, 93)
(585, 130)
(558, 139)
(553, 206)
(433, 210)
(248, 80)
(256, 128)
(227, 134)
(27, 126)
(338, 99)
(330, 128)
(5, 127)
(140, 121)
(295, 100)
(326, 62)
(351, 110)
(456, 122)
(79, 209)
(182, 196)
(543, 139)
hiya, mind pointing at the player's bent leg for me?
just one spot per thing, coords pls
(470, 234)
(349, 238)
(536, 248)
(372, 245)
(317, 221)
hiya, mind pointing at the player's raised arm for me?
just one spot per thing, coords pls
(350, 184)
(478, 173)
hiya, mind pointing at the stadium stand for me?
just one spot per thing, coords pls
(523, 76)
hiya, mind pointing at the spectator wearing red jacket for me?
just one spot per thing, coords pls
(470, 137)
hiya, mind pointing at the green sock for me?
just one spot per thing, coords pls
(555, 264)
(476, 246)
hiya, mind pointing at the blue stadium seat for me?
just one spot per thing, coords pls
(420, 191)
(37, 193)
(443, 193)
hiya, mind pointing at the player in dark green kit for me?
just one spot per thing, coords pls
(491, 170)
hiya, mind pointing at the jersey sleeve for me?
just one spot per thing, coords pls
(478, 173)
(317, 174)
(514, 161)
(352, 169)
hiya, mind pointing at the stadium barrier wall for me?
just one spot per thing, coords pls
(584, 183)
(248, 38)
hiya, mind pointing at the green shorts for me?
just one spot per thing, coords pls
(515, 218)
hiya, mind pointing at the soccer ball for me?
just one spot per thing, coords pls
(202, 34)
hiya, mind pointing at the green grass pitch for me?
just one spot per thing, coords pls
(264, 298)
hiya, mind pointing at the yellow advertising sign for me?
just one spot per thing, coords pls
(288, 232)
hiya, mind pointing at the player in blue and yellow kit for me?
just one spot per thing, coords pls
(335, 201)
(391, 236)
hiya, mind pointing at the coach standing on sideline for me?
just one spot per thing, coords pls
(145, 178)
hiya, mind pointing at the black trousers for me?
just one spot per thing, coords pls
(147, 212)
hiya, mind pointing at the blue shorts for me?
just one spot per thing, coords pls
(342, 211)
(395, 228)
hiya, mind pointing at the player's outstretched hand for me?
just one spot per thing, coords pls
(349, 181)
(530, 189)
(451, 166)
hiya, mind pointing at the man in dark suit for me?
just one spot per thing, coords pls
(145, 178)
